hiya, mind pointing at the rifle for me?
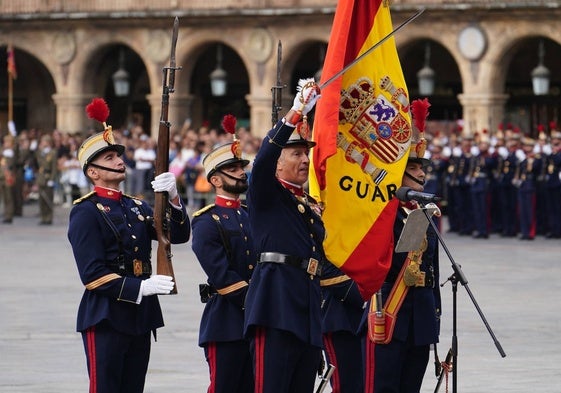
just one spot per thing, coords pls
(162, 210)
(277, 89)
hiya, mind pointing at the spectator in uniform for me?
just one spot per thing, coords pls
(553, 182)
(111, 237)
(222, 244)
(525, 180)
(508, 193)
(8, 177)
(47, 174)
(282, 318)
(482, 168)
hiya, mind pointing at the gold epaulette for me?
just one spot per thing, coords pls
(83, 198)
(132, 197)
(203, 210)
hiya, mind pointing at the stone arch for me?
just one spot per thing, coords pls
(514, 63)
(96, 80)
(194, 82)
(32, 91)
(448, 78)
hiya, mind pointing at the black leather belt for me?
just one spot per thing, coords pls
(311, 265)
(136, 267)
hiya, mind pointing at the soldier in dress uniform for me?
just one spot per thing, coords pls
(111, 236)
(8, 176)
(396, 362)
(525, 178)
(436, 171)
(508, 193)
(283, 310)
(47, 173)
(553, 184)
(482, 169)
(464, 203)
(222, 244)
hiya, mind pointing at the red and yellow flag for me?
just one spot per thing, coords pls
(11, 65)
(363, 131)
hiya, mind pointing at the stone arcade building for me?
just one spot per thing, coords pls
(483, 53)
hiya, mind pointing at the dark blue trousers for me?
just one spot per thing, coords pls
(344, 351)
(283, 363)
(397, 367)
(117, 362)
(230, 367)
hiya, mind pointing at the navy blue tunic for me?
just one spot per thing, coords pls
(111, 295)
(223, 316)
(281, 296)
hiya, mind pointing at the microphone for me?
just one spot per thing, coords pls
(406, 194)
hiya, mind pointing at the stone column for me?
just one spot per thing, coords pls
(179, 109)
(260, 114)
(482, 111)
(70, 111)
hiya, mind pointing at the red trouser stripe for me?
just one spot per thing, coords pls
(211, 353)
(90, 339)
(369, 365)
(332, 355)
(259, 358)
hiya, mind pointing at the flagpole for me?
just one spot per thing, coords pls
(10, 97)
(377, 44)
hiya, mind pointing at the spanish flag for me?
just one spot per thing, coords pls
(363, 131)
(11, 63)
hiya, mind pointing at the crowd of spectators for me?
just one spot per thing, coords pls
(188, 147)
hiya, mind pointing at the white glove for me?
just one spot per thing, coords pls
(308, 93)
(156, 285)
(165, 182)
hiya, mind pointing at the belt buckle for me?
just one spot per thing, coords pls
(137, 267)
(313, 265)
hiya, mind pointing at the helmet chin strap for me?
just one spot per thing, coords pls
(232, 177)
(419, 182)
(108, 169)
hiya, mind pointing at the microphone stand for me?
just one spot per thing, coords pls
(458, 276)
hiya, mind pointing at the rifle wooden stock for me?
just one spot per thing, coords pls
(162, 209)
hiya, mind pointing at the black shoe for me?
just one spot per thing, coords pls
(7, 221)
(526, 238)
(481, 236)
(45, 223)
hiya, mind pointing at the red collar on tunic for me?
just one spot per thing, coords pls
(226, 202)
(293, 188)
(108, 193)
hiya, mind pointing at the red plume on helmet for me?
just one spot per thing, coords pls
(98, 110)
(229, 125)
(420, 112)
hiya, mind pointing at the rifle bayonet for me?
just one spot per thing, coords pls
(277, 89)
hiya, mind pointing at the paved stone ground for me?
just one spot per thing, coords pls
(515, 283)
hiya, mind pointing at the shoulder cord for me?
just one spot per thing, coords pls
(225, 239)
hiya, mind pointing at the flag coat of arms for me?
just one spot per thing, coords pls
(362, 128)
